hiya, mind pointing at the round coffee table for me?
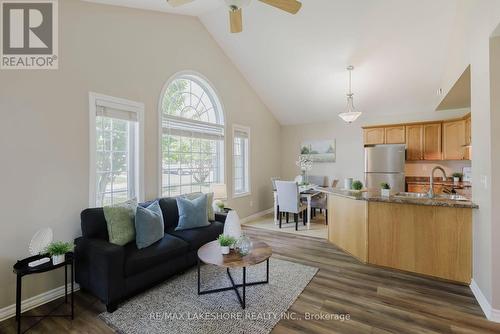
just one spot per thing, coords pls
(210, 254)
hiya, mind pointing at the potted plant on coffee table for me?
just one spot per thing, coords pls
(225, 241)
(57, 250)
(385, 189)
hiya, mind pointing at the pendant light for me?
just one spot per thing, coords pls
(351, 114)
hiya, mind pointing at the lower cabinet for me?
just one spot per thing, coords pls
(430, 240)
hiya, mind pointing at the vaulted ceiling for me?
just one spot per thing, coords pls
(296, 63)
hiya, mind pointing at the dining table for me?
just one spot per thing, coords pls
(307, 192)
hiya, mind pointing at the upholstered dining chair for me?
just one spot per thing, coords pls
(289, 201)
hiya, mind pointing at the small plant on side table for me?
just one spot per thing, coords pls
(57, 251)
(225, 242)
(357, 185)
(385, 189)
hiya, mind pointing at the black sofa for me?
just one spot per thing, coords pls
(112, 273)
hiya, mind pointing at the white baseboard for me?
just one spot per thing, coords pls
(256, 215)
(490, 313)
(35, 301)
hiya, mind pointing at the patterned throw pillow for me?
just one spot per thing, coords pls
(210, 199)
(192, 213)
(120, 222)
(148, 225)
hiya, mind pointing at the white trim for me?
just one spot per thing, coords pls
(218, 102)
(129, 105)
(247, 130)
(35, 301)
(256, 215)
(490, 313)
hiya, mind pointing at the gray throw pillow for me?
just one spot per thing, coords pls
(148, 225)
(192, 213)
(210, 199)
(120, 222)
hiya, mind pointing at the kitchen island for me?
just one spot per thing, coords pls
(421, 235)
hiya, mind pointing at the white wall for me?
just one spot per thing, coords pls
(349, 140)
(475, 23)
(44, 130)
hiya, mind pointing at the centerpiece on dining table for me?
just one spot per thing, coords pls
(305, 164)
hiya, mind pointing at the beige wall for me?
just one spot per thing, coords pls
(349, 139)
(475, 22)
(44, 130)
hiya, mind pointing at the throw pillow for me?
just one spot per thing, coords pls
(192, 213)
(148, 225)
(120, 222)
(210, 199)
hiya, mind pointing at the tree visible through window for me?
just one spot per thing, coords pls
(192, 140)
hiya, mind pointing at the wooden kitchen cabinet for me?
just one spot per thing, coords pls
(374, 136)
(414, 142)
(395, 135)
(454, 139)
(432, 141)
(468, 131)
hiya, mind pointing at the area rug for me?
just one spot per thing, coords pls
(175, 306)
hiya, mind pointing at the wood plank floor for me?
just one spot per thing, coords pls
(377, 300)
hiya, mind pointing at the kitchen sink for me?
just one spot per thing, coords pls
(452, 197)
(412, 195)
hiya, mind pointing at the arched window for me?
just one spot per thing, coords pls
(192, 138)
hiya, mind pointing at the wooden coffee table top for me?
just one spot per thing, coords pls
(210, 253)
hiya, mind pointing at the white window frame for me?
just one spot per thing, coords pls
(138, 148)
(247, 168)
(220, 107)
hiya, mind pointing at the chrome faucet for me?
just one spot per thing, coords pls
(431, 190)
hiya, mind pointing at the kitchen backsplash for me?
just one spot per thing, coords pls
(424, 168)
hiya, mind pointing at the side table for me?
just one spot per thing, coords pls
(21, 268)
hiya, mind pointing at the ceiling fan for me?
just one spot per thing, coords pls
(235, 9)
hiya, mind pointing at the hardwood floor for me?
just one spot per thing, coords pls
(377, 300)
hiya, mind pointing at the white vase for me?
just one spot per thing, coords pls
(232, 226)
(224, 250)
(57, 259)
(385, 192)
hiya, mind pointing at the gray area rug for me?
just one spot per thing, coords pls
(175, 307)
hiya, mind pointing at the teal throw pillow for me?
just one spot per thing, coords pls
(148, 225)
(210, 199)
(192, 213)
(120, 222)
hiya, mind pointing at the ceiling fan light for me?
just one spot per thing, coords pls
(350, 116)
(237, 3)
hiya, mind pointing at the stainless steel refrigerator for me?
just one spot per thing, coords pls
(385, 163)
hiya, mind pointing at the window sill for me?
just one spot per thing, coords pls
(240, 195)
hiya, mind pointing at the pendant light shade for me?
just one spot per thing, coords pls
(351, 114)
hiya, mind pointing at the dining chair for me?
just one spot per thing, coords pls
(273, 181)
(318, 180)
(289, 201)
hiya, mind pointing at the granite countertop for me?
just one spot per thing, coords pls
(374, 196)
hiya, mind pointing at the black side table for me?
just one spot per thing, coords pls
(21, 268)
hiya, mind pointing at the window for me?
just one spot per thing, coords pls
(241, 154)
(192, 136)
(116, 150)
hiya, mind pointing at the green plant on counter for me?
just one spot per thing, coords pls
(59, 248)
(459, 175)
(385, 185)
(226, 240)
(357, 185)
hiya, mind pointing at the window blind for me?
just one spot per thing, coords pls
(176, 126)
(116, 110)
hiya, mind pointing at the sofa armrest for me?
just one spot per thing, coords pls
(220, 217)
(102, 268)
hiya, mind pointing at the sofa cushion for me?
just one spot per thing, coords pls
(93, 224)
(120, 220)
(170, 211)
(197, 237)
(140, 260)
(210, 200)
(148, 225)
(192, 213)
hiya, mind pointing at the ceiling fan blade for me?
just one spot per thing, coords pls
(290, 6)
(176, 3)
(235, 20)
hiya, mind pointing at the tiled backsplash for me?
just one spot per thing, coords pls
(424, 168)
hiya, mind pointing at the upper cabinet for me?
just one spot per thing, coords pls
(395, 135)
(374, 136)
(414, 142)
(454, 140)
(441, 140)
(432, 141)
